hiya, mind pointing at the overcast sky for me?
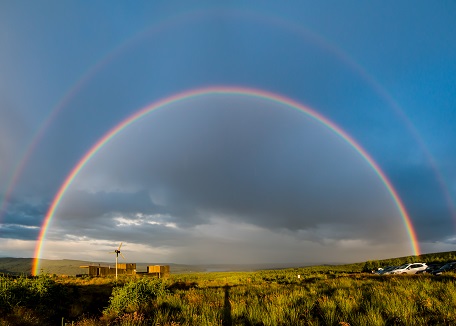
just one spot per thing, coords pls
(227, 178)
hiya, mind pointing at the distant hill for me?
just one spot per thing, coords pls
(11, 265)
(437, 257)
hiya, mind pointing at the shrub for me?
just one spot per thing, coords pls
(136, 295)
(40, 295)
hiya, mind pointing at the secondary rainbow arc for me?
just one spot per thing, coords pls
(219, 90)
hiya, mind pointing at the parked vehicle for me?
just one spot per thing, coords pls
(409, 268)
(445, 268)
(430, 269)
(386, 270)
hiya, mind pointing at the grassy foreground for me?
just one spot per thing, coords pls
(318, 297)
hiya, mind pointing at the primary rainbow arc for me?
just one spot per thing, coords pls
(230, 91)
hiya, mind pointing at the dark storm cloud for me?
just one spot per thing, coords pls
(22, 219)
(17, 231)
(86, 206)
(237, 158)
(27, 216)
(128, 227)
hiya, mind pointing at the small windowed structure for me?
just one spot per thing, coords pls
(122, 269)
(126, 269)
(158, 270)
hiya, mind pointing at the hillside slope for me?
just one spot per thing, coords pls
(11, 265)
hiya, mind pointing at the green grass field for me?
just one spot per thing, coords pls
(321, 296)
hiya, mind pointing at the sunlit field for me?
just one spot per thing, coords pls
(319, 296)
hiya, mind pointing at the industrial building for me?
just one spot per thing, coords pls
(158, 270)
(126, 269)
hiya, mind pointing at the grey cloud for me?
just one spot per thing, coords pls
(244, 159)
(82, 205)
(22, 218)
(18, 231)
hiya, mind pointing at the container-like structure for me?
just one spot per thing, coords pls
(158, 270)
(123, 269)
(127, 269)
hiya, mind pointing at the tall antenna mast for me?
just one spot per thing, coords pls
(117, 252)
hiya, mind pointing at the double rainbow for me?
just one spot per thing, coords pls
(208, 91)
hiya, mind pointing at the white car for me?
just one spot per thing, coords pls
(409, 268)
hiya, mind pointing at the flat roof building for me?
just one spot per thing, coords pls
(126, 269)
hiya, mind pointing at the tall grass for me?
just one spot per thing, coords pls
(27, 301)
(256, 298)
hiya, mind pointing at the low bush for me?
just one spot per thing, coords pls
(135, 296)
(40, 296)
